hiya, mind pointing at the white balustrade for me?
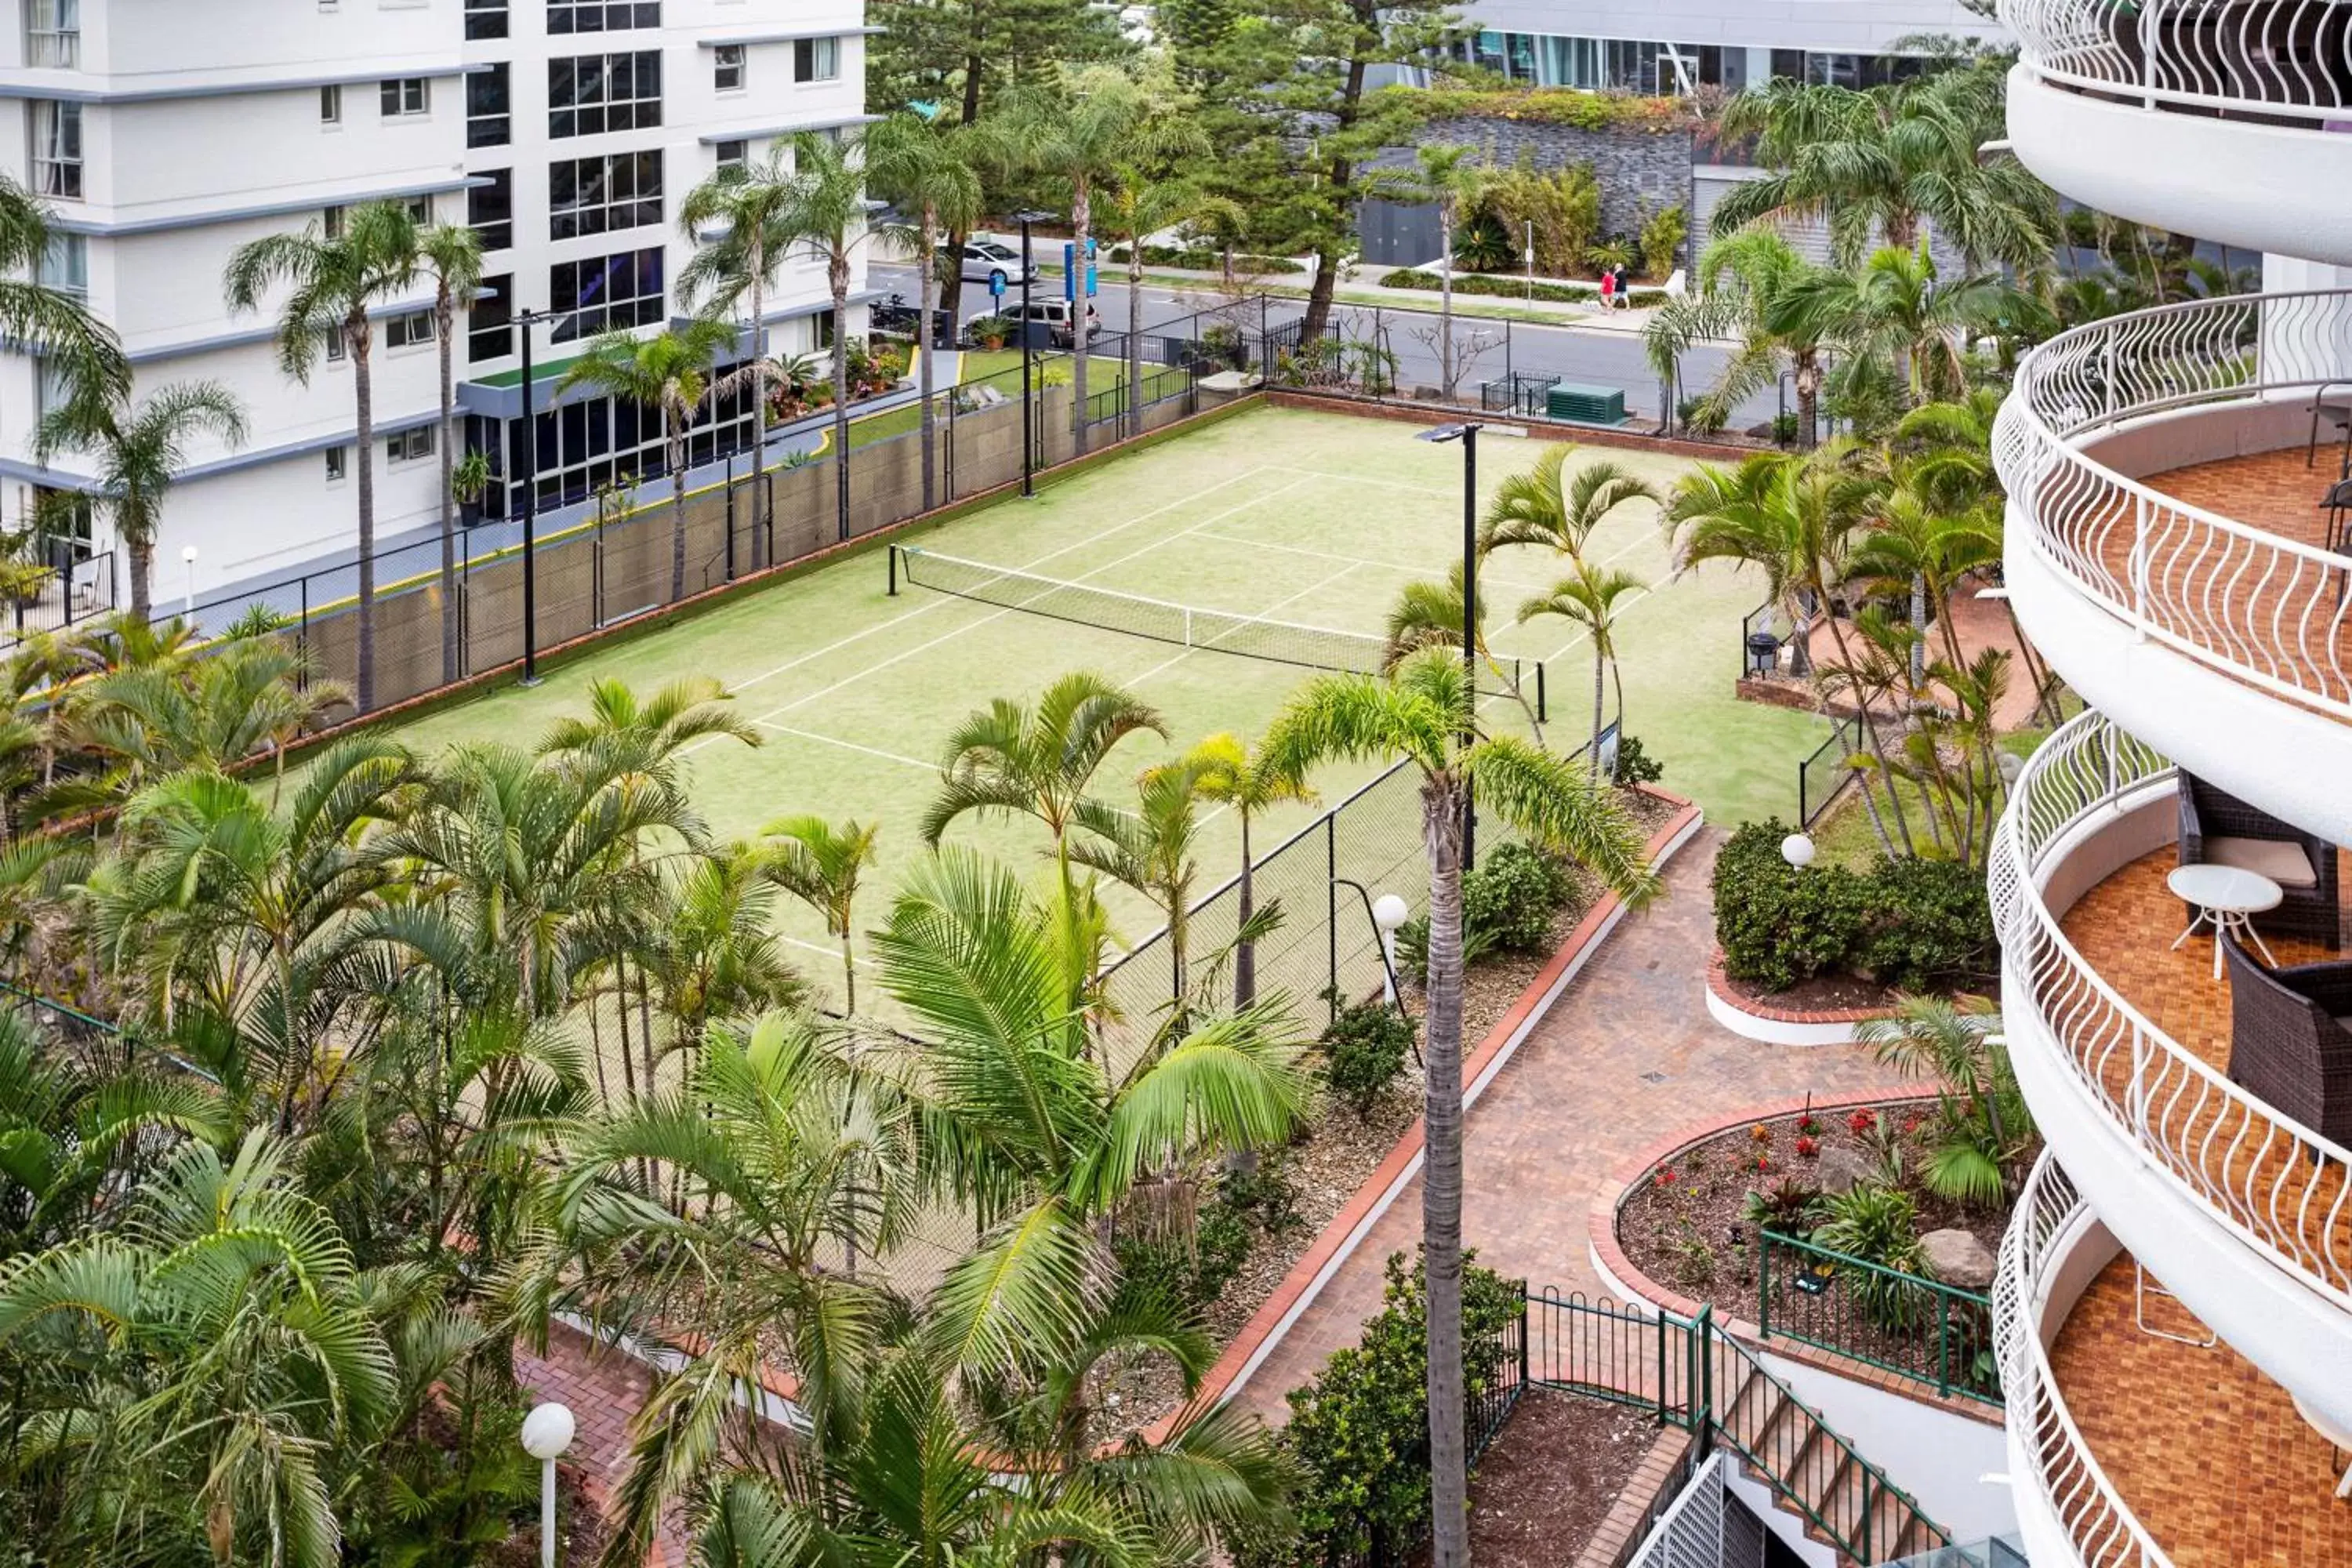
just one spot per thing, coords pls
(2288, 60)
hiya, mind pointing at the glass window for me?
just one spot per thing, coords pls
(406, 98)
(601, 15)
(57, 148)
(336, 347)
(727, 67)
(330, 105)
(599, 195)
(816, 59)
(489, 208)
(53, 33)
(486, 18)
(488, 119)
(733, 154)
(409, 445)
(605, 293)
(339, 464)
(409, 330)
(582, 447)
(1789, 64)
(330, 222)
(591, 94)
(64, 265)
(490, 321)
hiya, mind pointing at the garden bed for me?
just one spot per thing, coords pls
(1541, 1491)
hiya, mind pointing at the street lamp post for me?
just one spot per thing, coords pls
(546, 1434)
(1467, 433)
(1028, 440)
(524, 322)
(188, 603)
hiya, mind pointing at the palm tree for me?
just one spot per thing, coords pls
(1036, 761)
(735, 217)
(45, 319)
(721, 959)
(141, 447)
(329, 285)
(823, 216)
(919, 166)
(1444, 177)
(1229, 772)
(452, 254)
(1590, 595)
(819, 864)
(1883, 159)
(1149, 848)
(1546, 507)
(1423, 712)
(1896, 310)
(1743, 281)
(1136, 204)
(669, 373)
(1986, 1122)
(1105, 121)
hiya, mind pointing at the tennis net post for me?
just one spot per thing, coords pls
(892, 552)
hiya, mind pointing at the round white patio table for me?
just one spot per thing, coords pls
(2224, 895)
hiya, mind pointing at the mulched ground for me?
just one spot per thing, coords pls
(1819, 993)
(1543, 1489)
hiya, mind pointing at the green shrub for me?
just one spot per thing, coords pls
(1789, 1206)
(1878, 1225)
(1366, 1046)
(1511, 894)
(1480, 283)
(1360, 1430)
(1412, 947)
(1778, 925)
(1192, 1272)
(1929, 925)
(1203, 258)
(1634, 765)
(1662, 240)
(1542, 106)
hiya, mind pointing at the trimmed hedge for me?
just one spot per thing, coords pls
(1203, 258)
(1549, 106)
(1915, 925)
(1492, 283)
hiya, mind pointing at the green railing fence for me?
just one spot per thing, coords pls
(1925, 1330)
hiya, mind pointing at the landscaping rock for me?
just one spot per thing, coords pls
(1958, 1259)
(1840, 1170)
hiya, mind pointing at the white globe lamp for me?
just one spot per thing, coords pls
(546, 1434)
(1389, 912)
(1798, 850)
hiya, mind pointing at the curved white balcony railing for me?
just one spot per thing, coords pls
(2285, 60)
(2260, 609)
(2281, 1188)
(2060, 1467)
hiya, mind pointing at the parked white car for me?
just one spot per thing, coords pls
(985, 261)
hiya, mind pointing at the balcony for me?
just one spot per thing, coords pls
(2121, 1046)
(2132, 1449)
(2165, 544)
(2211, 118)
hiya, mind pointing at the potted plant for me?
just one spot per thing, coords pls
(989, 332)
(469, 480)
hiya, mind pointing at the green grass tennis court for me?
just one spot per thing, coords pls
(1305, 517)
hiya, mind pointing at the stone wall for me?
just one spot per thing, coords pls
(1639, 171)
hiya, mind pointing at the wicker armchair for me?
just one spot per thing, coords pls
(2289, 1046)
(2217, 828)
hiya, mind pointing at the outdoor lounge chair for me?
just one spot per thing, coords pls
(2289, 1044)
(2217, 828)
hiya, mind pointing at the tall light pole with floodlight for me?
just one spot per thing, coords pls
(1467, 433)
(1028, 438)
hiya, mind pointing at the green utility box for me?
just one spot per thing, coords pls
(1586, 404)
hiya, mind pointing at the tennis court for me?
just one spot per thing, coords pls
(1303, 517)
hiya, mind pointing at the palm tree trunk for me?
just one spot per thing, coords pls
(1081, 214)
(927, 293)
(759, 403)
(837, 275)
(1869, 729)
(1599, 699)
(445, 312)
(848, 973)
(142, 577)
(1808, 396)
(1135, 333)
(1441, 1192)
(356, 333)
(1918, 625)
(1445, 298)
(678, 449)
(1246, 952)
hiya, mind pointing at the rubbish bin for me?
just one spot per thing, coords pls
(1763, 652)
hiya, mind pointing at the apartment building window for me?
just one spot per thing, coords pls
(330, 105)
(727, 69)
(601, 15)
(332, 219)
(53, 385)
(490, 321)
(598, 441)
(339, 464)
(406, 98)
(605, 293)
(816, 59)
(591, 94)
(337, 349)
(486, 18)
(600, 196)
(57, 148)
(411, 330)
(53, 33)
(734, 155)
(409, 445)
(64, 265)
(489, 208)
(488, 107)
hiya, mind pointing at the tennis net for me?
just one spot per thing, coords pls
(1186, 625)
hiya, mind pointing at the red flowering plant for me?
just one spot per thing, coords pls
(1862, 1122)
(1809, 1148)
(1763, 1162)
(1665, 1177)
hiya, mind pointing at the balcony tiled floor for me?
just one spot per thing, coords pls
(2206, 1451)
(2273, 490)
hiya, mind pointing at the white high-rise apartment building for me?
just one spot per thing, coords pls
(2174, 1313)
(166, 134)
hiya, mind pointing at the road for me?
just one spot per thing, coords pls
(1594, 357)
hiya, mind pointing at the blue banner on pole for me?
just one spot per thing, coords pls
(1070, 270)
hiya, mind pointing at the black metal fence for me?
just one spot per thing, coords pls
(1932, 1332)
(1824, 776)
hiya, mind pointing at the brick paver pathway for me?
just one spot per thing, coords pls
(1626, 1056)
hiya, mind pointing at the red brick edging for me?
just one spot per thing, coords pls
(1719, 982)
(1600, 1222)
(1339, 1238)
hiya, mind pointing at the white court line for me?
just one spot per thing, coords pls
(1455, 494)
(832, 952)
(1421, 570)
(846, 745)
(794, 663)
(923, 647)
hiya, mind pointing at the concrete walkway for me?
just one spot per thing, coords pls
(1626, 1056)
